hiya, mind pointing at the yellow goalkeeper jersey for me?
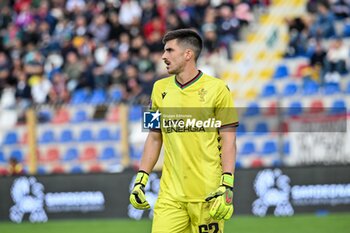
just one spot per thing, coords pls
(192, 158)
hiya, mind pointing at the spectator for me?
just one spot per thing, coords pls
(23, 92)
(130, 13)
(15, 168)
(323, 26)
(99, 28)
(317, 60)
(337, 59)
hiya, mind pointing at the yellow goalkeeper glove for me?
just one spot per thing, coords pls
(222, 207)
(137, 196)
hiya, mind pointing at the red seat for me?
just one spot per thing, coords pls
(113, 115)
(89, 153)
(61, 116)
(256, 163)
(52, 154)
(316, 106)
(95, 168)
(58, 169)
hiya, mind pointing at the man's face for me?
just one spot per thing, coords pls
(174, 57)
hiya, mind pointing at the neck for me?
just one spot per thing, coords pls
(187, 75)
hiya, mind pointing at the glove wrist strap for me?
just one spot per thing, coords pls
(227, 180)
(141, 178)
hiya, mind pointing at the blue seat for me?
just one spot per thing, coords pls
(17, 154)
(290, 89)
(241, 130)
(269, 91)
(135, 153)
(79, 97)
(71, 154)
(331, 89)
(253, 109)
(261, 128)
(41, 170)
(116, 136)
(286, 148)
(338, 107)
(347, 91)
(310, 88)
(98, 97)
(135, 113)
(77, 169)
(281, 72)
(86, 135)
(346, 30)
(108, 153)
(115, 95)
(2, 157)
(80, 116)
(248, 148)
(104, 135)
(47, 137)
(44, 116)
(269, 147)
(11, 138)
(295, 108)
(66, 136)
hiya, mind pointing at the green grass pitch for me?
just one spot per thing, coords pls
(333, 223)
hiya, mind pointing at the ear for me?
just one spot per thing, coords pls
(188, 54)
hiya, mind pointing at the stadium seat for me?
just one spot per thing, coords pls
(113, 114)
(276, 163)
(310, 88)
(316, 106)
(76, 169)
(79, 97)
(248, 148)
(98, 97)
(3, 171)
(116, 135)
(104, 135)
(331, 89)
(338, 107)
(269, 147)
(286, 148)
(79, 116)
(295, 108)
(58, 169)
(89, 153)
(135, 113)
(47, 137)
(17, 154)
(11, 138)
(346, 30)
(61, 116)
(95, 168)
(261, 128)
(241, 130)
(44, 116)
(86, 135)
(2, 157)
(256, 163)
(66, 136)
(115, 95)
(108, 153)
(281, 72)
(269, 91)
(347, 90)
(41, 170)
(71, 154)
(290, 90)
(52, 155)
(253, 109)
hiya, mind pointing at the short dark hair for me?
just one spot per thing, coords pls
(187, 37)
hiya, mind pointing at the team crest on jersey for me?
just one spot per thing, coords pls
(202, 92)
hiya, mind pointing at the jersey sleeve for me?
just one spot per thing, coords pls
(224, 109)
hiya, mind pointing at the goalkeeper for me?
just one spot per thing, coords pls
(197, 183)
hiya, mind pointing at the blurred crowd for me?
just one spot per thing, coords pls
(320, 36)
(50, 49)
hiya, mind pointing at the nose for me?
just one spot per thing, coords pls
(163, 56)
